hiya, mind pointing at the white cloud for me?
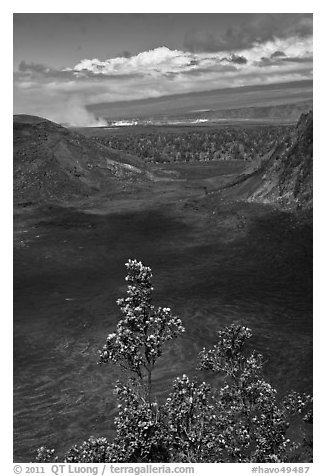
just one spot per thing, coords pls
(161, 58)
(154, 73)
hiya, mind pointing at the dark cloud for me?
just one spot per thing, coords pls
(32, 67)
(277, 54)
(200, 71)
(256, 28)
(236, 59)
(126, 54)
(299, 59)
(264, 61)
(281, 60)
(37, 71)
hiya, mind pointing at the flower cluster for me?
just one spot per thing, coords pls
(252, 424)
(227, 355)
(296, 403)
(45, 455)
(94, 450)
(143, 330)
(189, 421)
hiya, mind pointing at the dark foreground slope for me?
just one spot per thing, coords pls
(53, 163)
(285, 177)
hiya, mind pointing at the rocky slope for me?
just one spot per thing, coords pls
(288, 174)
(285, 176)
(54, 163)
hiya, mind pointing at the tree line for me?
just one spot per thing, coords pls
(225, 143)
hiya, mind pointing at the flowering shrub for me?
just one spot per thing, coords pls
(45, 455)
(251, 420)
(190, 420)
(143, 330)
(240, 421)
(94, 450)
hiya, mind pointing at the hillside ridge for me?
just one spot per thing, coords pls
(285, 177)
(54, 163)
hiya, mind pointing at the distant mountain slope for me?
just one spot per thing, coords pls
(285, 101)
(51, 162)
(285, 113)
(286, 175)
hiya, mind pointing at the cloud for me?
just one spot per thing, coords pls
(64, 94)
(74, 113)
(56, 106)
(33, 67)
(34, 70)
(299, 59)
(126, 54)
(254, 29)
(282, 59)
(162, 59)
(236, 59)
(219, 68)
(277, 54)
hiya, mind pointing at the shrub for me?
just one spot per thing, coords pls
(240, 421)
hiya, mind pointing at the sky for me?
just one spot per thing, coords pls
(65, 62)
